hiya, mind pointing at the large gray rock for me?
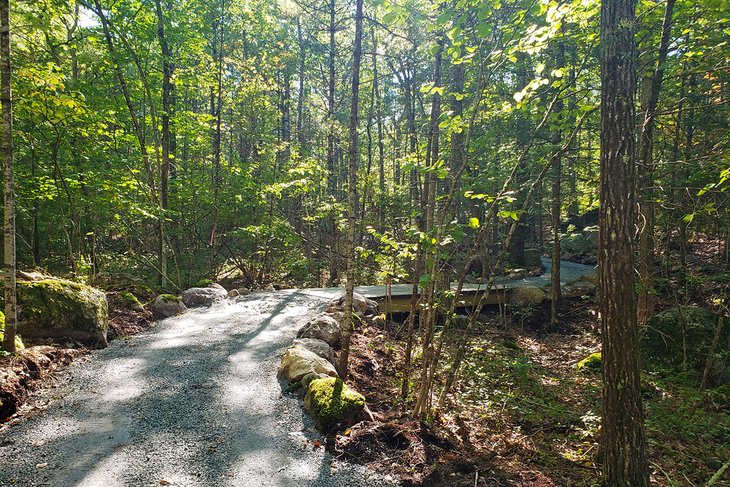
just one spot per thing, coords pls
(361, 304)
(527, 296)
(166, 305)
(203, 296)
(578, 289)
(298, 362)
(317, 346)
(56, 308)
(324, 327)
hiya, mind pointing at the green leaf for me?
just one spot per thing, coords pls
(474, 223)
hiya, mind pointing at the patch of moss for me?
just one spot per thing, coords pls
(331, 402)
(204, 283)
(591, 362)
(19, 345)
(129, 300)
(51, 308)
(170, 298)
(18, 341)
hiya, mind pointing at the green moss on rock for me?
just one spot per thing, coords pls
(55, 308)
(591, 362)
(129, 298)
(170, 298)
(18, 341)
(331, 402)
(203, 283)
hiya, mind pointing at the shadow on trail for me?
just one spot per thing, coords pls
(193, 402)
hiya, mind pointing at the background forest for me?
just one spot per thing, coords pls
(182, 139)
(161, 144)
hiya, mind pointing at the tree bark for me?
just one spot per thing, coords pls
(9, 262)
(165, 167)
(622, 439)
(352, 195)
(646, 165)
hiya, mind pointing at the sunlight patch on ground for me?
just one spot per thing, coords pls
(108, 472)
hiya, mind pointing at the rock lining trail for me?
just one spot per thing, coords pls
(193, 401)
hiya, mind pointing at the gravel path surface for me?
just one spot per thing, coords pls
(193, 402)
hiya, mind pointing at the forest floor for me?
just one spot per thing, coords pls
(523, 414)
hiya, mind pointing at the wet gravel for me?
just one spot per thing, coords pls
(193, 402)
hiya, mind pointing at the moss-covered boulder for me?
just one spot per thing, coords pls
(166, 305)
(126, 300)
(56, 308)
(331, 403)
(686, 329)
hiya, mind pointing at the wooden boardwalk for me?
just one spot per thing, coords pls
(400, 294)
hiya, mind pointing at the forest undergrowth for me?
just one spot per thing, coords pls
(525, 413)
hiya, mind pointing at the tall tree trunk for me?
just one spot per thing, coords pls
(556, 163)
(381, 144)
(217, 133)
(652, 87)
(300, 97)
(352, 195)
(331, 169)
(165, 167)
(9, 263)
(457, 138)
(622, 439)
(428, 298)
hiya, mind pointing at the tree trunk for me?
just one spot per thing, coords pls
(9, 262)
(646, 300)
(165, 167)
(428, 297)
(622, 439)
(352, 196)
(300, 97)
(217, 133)
(557, 168)
(331, 170)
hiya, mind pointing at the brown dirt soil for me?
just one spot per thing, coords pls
(29, 370)
(463, 446)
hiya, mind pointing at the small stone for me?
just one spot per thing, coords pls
(298, 362)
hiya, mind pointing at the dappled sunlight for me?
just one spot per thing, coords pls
(196, 397)
(107, 471)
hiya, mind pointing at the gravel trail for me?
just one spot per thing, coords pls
(192, 402)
